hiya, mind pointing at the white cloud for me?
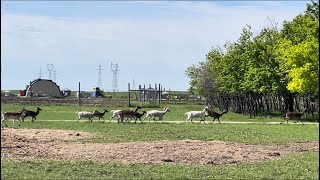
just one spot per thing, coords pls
(184, 34)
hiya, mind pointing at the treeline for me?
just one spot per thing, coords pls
(273, 70)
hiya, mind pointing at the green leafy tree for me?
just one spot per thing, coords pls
(299, 49)
(203, 78)
(264, 75)
(231, 69)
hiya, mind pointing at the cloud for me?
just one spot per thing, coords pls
(179, 35)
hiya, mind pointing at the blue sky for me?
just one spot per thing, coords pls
(152, 41)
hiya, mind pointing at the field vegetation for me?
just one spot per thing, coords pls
(301, 166)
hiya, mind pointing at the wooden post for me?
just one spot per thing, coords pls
(30, 89)
(159, 101)
(155, 93)
(79, 103)
(140, 97)
(160, 95)
(144, 93)
(128, 94)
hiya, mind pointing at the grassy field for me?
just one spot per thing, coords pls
(245, 133)
(177, 113)
(304, 166)
(295, 166)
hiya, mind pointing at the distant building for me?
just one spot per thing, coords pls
(43, 88)
(97, 92)
(66, 92)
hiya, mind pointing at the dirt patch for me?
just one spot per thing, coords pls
(56, 145)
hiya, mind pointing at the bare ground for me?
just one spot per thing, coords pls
(58, 145)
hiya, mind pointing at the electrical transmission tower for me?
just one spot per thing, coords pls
(54, 76)
(99, 77)
(40, 74)
(50, 68)
(115, 71)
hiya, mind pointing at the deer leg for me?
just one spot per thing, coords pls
(219, 121)
(192, 120)
(202, 120)
(301, 121)
(122, 120)
(136, 120)
(111, 119)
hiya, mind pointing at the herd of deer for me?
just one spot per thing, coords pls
(124, 115)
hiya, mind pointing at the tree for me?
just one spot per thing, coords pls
(203, 78)
(299, 50)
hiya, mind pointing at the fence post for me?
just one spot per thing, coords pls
(128, 94)
(159, 101)
(144, 93)
(79, 104)
(30, 89)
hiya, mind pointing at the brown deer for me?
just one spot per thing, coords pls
(214, 115)
(99, 114)
(11, 115)
(32, 114)
(294, 115)
(127, 113)
(138, 116)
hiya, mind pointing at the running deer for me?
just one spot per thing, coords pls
(294, 115)
(157, 113)
(11, 115)
(32, 114)
(99, 114)
(127, 113)
(214, 115)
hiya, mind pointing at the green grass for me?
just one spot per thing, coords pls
(295, 166)
(62, 112)
(305, 166)
(245, 133)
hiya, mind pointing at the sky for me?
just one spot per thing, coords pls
(153, 42)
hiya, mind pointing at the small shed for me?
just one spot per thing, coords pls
(82, 94)
(66, 92)
(97, 92)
